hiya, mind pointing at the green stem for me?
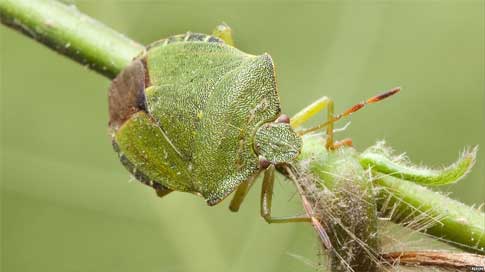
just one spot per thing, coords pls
(432, 212)
(65, 30)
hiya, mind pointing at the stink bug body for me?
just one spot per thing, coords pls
(195, 114)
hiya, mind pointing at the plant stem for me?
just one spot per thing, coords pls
(65, 30)
(343, 196)
(420, 208)
(446, 218)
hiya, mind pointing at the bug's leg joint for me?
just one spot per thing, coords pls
(283, 119)
(263, 162)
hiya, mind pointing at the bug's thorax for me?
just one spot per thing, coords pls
(276, 142)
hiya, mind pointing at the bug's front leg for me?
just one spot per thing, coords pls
(311, 110)
(267, 197)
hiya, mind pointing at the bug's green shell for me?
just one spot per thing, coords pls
(193, 114)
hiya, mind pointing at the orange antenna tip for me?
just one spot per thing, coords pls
(384, 95)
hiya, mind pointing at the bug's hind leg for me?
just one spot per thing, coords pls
(267, 197)
(241, 192)
(224, 32)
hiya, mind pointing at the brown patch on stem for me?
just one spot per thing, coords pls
(462, 261)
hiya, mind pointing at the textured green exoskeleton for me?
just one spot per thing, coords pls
(195, 114)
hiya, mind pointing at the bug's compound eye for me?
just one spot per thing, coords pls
(263, 162)
(283, 119)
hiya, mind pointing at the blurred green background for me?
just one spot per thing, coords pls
(68, 204)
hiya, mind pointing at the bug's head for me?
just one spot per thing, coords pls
(276, 142)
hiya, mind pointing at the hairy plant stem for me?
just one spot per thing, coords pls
(343, 196)
(67, 31)
(441, 216)
(405, 201)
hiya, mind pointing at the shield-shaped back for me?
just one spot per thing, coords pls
(207, 99)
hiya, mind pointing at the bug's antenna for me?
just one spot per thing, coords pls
(353, 109)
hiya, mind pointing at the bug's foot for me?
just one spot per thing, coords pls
(344, 142)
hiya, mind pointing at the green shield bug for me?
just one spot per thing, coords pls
(195, 114)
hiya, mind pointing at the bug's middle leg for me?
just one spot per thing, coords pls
(267, 197)
(240, 195)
